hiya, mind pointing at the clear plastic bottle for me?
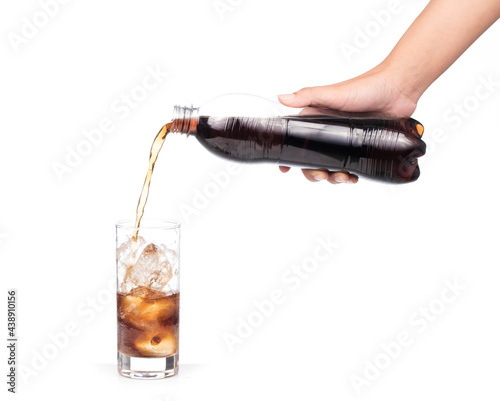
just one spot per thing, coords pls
(247, 128)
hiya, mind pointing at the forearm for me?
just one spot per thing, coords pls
(440, 34)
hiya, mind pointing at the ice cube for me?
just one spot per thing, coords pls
(148, 309)
(171, 255)
(127, 254)
(151, 270)
(160, 343)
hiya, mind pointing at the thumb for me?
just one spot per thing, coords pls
(318, 96)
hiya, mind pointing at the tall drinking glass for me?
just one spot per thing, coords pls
(147, 263)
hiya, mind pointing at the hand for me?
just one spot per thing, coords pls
(439, 35)
(376, 90)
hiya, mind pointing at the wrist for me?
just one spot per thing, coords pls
(405, 77)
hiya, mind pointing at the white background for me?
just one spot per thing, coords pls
(396, 244)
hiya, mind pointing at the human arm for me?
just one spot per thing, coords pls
(434, 41)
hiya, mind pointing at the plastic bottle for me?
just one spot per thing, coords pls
(247, 128)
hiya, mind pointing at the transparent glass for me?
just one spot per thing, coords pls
(148, 298)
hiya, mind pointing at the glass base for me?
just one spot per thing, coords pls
(148, 368)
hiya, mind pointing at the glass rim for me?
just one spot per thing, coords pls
(148, 224)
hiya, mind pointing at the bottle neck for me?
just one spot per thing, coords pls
(185, 120)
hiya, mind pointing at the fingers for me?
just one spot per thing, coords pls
(315, 175)
(353, 178)
(339, 177)
(331, 96)
(333, 177)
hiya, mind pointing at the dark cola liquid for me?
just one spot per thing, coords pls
(148, 323)
(384, 149)
(153, 156)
